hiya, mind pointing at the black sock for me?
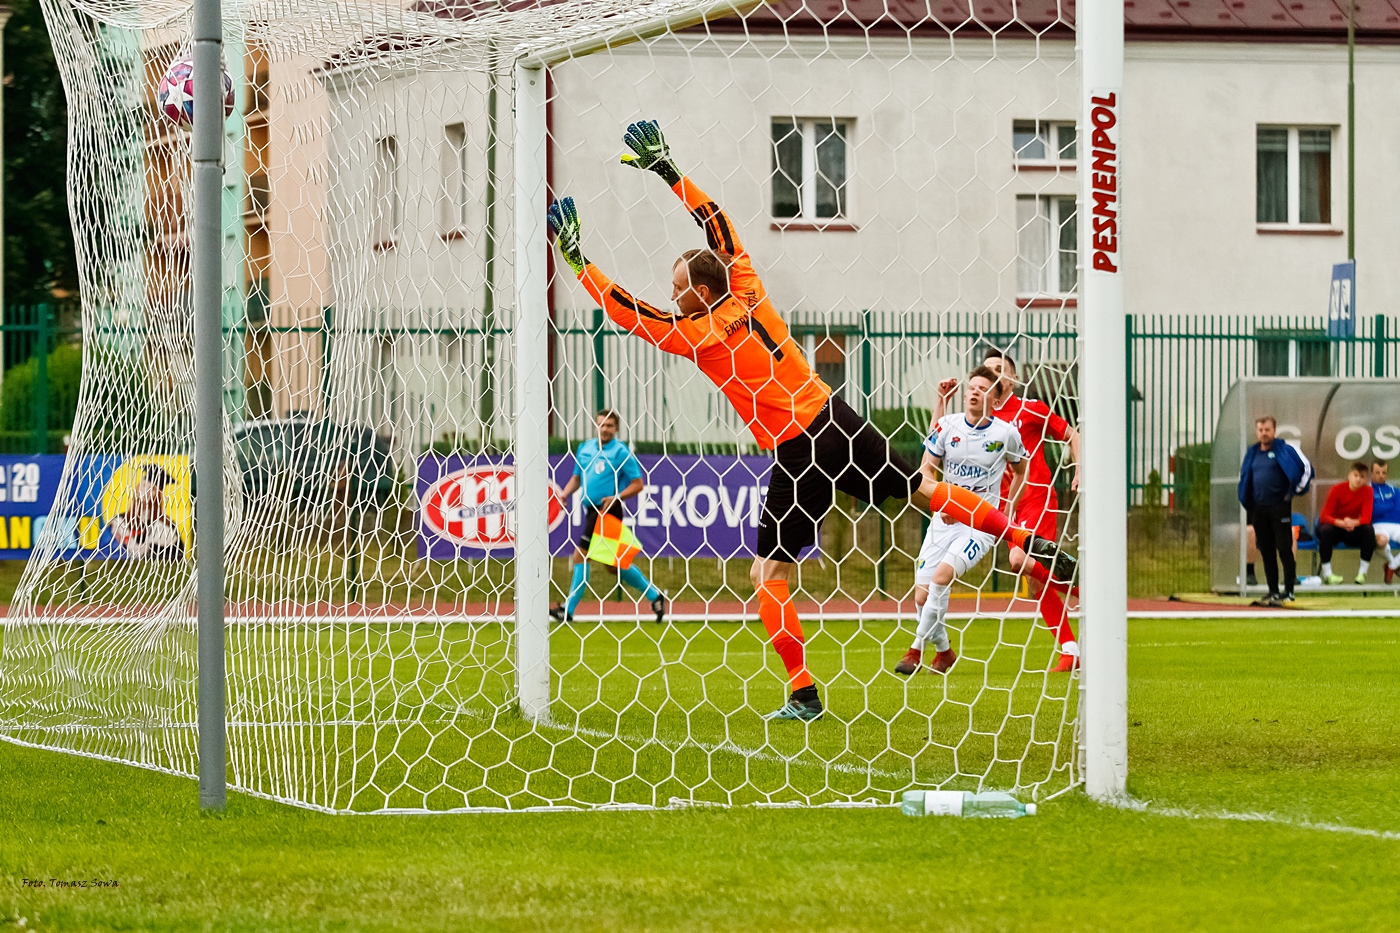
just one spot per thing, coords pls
(1249, 571)
(805, 694)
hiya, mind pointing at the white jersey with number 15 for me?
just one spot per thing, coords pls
(975, 457)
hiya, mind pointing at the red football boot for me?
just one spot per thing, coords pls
(943, 661)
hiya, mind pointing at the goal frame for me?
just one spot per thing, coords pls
(1103, 499)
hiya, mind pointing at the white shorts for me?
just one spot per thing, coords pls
(955, 544)
(1391, 530)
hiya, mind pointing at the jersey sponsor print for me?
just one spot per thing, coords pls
(975, 455)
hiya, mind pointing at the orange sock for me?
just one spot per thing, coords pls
(779, 617)
(964, 505)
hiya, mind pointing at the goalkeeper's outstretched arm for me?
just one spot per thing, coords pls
(646, 321)
(650, 152)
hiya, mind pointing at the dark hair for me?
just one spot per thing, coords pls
(709, 268)
(158, 477)
(994, 354)
(1269, 418)
(984, 373)
(1380, 463)
(607, 414)
(1360, 467)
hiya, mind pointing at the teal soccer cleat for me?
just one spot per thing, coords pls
(806, 709)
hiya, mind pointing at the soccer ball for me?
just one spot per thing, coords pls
(175, 95)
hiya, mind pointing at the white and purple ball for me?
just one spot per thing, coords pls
(175, 95)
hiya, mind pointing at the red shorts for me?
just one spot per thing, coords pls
(1037, 511)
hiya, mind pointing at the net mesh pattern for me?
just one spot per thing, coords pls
(903, 186)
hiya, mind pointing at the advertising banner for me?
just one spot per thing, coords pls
(27, 488)
(122, 508)
(691, 506)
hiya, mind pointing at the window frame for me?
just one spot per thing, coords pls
(1293, 182)
(806, 218)
(1302, 350)
(1052, 293)
(1051, 142)
(456, 195)
(387, 217)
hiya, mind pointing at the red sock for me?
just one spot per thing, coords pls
(964, 505)
(1053, 611)
(779, 617)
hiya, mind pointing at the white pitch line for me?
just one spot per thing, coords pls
(1350, 642)
(1230, 613)
(755, 754)
(1145, 806)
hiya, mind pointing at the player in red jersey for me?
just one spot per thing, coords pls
(1038, 506)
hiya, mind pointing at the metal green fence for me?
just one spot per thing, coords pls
(1182, 366)
(36, 405)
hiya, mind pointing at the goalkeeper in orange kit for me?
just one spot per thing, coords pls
(726, 324)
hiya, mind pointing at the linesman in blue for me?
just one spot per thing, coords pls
(609, 473)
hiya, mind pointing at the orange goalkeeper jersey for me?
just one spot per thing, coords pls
(742, 345)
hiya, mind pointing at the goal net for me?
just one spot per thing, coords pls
(410, 369)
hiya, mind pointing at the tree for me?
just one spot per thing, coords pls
(65, 371)
(39, 256)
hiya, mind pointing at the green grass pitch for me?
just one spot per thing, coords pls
(644, 714)
(1294, 719)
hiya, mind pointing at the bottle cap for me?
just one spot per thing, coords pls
(1030, 809)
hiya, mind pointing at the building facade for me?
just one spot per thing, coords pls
(910, 180)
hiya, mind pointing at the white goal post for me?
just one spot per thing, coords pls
(1103, 506)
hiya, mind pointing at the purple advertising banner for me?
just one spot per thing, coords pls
(691, 506)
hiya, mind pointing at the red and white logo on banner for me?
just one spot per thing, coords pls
(1103, 178)
(475, 507)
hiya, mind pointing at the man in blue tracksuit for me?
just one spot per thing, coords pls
(608, 473)
(1273, 473)
(1385, 516)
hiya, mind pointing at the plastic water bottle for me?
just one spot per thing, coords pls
(986, 805)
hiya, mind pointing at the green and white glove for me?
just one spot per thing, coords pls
(568, 233)
(649, 150)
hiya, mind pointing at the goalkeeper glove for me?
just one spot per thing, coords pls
(568, 233)
(649, 150)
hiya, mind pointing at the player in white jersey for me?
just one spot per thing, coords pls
(973, 450)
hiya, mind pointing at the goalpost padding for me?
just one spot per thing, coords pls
(364, 675)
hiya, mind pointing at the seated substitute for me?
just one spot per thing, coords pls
(1385, 516)
(609, 472)
(1346, 519)
(973, 450)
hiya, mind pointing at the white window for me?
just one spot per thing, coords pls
(1043, 142)
(1046, 246)
(1293, 175)
(454, 177)
(384, 193)
(811, 163)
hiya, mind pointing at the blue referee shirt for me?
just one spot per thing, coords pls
(605, 470)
